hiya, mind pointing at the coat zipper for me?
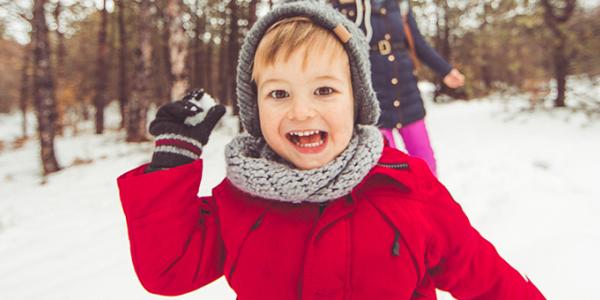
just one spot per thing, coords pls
(254, 226)
(396, 166)
(397, 236)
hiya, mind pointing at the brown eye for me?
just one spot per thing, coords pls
(324, 91)
(278, 94)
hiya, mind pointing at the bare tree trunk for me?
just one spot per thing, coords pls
(198, 50)
(100, 98)
(59, 71)
(561, 63)
(25, 88)
(137, 107)
(233, 49)
(123, 91)
(485, 69)
(178, 43)
(165, 37)
(443, 47)
(209, 63)
(223, 65)
(561, 70)
(223, 68)
(43, 88)
(442, 44)
(61, 50)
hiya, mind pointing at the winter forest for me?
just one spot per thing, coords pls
(517, 145)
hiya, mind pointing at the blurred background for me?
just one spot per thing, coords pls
(518, 146)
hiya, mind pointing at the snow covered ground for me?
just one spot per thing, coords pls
(528, 181)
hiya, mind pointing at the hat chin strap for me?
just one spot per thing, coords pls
(359, 13)
(367, 17)
(368, 20)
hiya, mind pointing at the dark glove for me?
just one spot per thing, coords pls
(181, 129)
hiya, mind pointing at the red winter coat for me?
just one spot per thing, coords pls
(397, 235)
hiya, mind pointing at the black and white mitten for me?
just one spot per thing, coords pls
(182, 128)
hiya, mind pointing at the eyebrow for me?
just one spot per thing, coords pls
(269, 81)
(320, 77)
(329, 77)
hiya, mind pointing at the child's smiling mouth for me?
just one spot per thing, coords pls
(308, 141)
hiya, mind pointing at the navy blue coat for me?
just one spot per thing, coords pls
(392, 73)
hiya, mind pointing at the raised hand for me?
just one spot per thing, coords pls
(182, 128)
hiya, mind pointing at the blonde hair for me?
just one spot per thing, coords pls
(289, 35)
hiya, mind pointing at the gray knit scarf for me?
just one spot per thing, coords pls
(253, 167)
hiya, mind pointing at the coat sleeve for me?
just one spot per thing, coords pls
(174, 236)
(459, 260)
(425, 53)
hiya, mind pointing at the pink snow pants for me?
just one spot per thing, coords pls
(416, 140)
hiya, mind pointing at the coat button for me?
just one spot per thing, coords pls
(391, 58)
(398, 125)
(344, 11)
(394, 81)
(387, 36)
(397, 103)
(383, 11)
(351, 13)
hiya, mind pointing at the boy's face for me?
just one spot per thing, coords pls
(306, 113)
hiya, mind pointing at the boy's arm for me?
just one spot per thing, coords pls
(425, 53)
(459, 259)
(175, 240)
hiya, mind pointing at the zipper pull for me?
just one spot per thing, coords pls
(396, 245)
(322, 207)
(257, 223)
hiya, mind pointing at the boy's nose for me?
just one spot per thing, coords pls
(300, 111)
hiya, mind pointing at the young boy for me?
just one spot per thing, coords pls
(313, 206)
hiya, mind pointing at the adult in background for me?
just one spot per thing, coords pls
(396, 50)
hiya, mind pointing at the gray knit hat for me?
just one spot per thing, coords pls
(323, 15)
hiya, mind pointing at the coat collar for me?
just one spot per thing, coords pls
(395, 166)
